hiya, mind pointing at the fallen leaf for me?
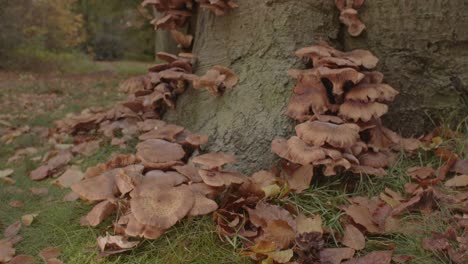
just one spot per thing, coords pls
(49, 253)
(6, 173)
(28, 218)
(461, 166)
(420, 173)
(71, 197)
(100, 212)
(280, 232)
(110, 245)
(401, 259)
(281, 256)
(39, 191)
(446, 155)
(6, 251)
(353, 238)
(457, 181)
(87, 148)
(22, 259)
(12, 230)
(376, 257)
(309, 224)
(16, 204)
(69, 177)
(54, 261)
(362, 216)
(335, 255)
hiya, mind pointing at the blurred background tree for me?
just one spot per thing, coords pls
(52, 34)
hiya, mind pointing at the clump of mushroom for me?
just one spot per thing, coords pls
(219, 7)
(349, 15)
(340, 101)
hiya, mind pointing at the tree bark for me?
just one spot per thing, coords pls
(422, 44)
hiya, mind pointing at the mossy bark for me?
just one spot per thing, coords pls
(422, 45)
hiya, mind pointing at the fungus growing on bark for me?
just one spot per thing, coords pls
(318, 133)
(219, 7)
(349, 15)
(217, 80)
(185, 41)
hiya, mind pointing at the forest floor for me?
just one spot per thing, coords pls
(36, 100)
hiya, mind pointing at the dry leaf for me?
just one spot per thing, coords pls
(281, 256)
(16, 204)
(49, 253)
(362, 216)
(39, 191)
(308, 224)
(376, 257)
(335, 255)
(12, 230)
(353, 238)
(457, 181)
(69, 177)
(110, 245)
(28, 218)
(6, 251)
(6, 173)
(22, 259)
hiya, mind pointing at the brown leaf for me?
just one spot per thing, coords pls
(280, 232)
(110, 245)
(87, 148)
(71, 197)
(6, 173)
(353, 238)
(301, 178)
(54, 261)
(309, 224)
(362, 216)
(12, 230)
(69, 177)
(461, 166)
(39, 191)
(16, 204)
(457, 181)
(264, 212)
(22, 259)
(100, 212)
(281, 256)
(376, 257)
(28, 218)
(49, 253)
(6, 251)
(335, 255)
(420, 173)
(401, 259)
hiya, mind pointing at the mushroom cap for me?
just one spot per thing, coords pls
(185, 41)
(166, 57)
(189, 171)
(155, 151)
(301, 153)
(339, 77)
(213, 160)
(98, 188)
(358, 169)
(221, 178)
(170, 178)
(350, 18)
(231, 77)
(167, 132)
(202, 206)
(197, 139)
(356, 111)
(279, 146)
(370, 92)
(361, 57)
(160, 206)
(318, 133)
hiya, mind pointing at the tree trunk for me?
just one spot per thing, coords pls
(422, 44)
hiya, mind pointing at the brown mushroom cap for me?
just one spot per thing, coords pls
(202, 205)
(361, 57)
(185, 41)
(318, 133)
(221, 178)
(339, 77)
(98, 188)
(167, 132)
(350, 18)
(190, 172)
(213, 160)
(154, 151)
(166, 57)
(197, 139)
(161, 206)
(371, 93)
(356, 111)
(301, 153)
(231, 77)
(170, 178)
